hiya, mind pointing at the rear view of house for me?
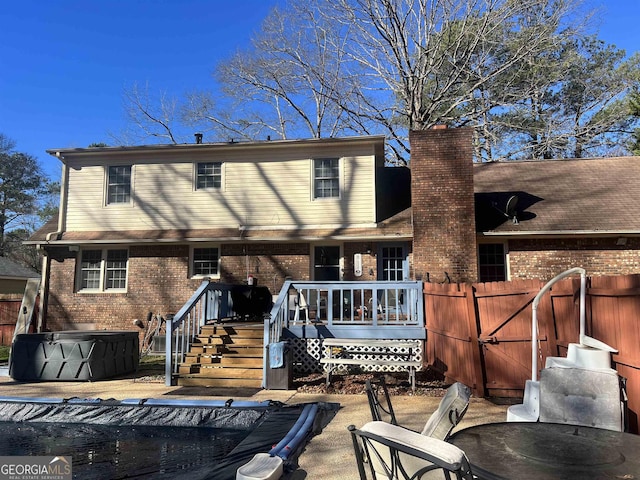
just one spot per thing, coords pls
(140, 227)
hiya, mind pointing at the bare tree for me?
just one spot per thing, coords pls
(285, 85)
(149, 116)
(321, 68)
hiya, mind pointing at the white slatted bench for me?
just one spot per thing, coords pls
(341, 351)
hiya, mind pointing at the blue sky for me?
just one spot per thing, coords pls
(64, 64)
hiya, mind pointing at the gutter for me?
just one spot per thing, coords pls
(185, 240)
(555, 233)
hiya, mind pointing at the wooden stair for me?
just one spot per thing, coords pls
(224, 356)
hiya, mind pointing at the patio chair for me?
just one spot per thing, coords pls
(298, 304)
(385, 451)
(450, 411)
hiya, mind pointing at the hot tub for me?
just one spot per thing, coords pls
(73, 355)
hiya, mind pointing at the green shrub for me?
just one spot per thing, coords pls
(4, 353)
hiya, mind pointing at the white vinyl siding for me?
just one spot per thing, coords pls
(269, 189)
(103, 270)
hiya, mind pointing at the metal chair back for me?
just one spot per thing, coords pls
(385, 451)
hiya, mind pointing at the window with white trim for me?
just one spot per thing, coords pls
(118, 184)
(492, 262)
(392, 262)
(103, 270)
(205, 262)
(326, 178)
(208, 175)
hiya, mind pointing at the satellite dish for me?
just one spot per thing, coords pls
(511, 210)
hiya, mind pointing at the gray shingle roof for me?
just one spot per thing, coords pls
(9, 269)
(585, 195)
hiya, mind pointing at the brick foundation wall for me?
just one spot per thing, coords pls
(443, 204)
(546, 258)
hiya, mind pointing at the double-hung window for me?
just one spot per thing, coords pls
(119, 184)
(208, 175)
(205, 262)
(103, 270)
(326, 178)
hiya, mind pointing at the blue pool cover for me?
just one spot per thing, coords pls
(138, 438)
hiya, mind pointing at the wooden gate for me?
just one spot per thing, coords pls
(452, 337)
(496, 331)
(504, 334)
(480, 334)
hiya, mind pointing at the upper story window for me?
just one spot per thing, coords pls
(492, 262)
(205, 262)
(209, 175)
(103, 270)
(326, 178)
(119, 184)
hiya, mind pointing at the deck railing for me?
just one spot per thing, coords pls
(391, 310)
(211, 301)
(382, 310)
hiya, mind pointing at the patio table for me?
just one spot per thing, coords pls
(548, 451)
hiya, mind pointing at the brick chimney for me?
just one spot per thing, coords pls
(444, 233)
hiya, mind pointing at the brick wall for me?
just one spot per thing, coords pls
(546, 258)
(443, 204)
(369, 261)
(158, 282)
(269, 264)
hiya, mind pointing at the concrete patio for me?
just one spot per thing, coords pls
(327, 456)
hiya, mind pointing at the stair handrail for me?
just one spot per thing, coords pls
(534, 312)
(274, 324)
(584, 339)
(203, 303)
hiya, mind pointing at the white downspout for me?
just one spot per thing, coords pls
(46, 260)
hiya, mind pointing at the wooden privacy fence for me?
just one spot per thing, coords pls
(9, 310)
(8, 316)
(480, 334)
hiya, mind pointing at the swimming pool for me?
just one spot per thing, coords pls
(152, 438)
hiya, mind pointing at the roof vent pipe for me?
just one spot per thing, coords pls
(198, 137)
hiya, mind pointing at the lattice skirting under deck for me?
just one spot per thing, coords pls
(308, 351)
